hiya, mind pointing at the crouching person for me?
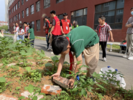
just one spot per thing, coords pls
(81, 39)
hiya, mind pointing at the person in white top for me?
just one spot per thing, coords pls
(16, 32)
(21, 34)
(1, 33)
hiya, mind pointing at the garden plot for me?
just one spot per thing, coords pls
(25, 74)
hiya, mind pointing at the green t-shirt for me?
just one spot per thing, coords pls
(81, 38)
(49, 30)
(31, 31)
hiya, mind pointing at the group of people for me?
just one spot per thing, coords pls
(27, 32)
(57, 27)
(82, 40)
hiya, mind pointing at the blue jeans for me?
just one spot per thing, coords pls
(20, 37)
(47, 40)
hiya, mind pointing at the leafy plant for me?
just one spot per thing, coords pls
(33, 75)
(3, 84)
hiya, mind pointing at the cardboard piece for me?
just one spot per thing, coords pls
(63, 82)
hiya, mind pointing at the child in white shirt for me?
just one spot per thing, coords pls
(21, 34)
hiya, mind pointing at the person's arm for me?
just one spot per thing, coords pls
(128, 25)
(2, 32)
(61, 61)
(72, 80)
(111, 36)
(52, 28)
(28, 35)
(61, 28)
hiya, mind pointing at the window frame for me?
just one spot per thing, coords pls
(58, 1)
(39, 25)
(32, 7)
(38, 5)
(46, 6)
(115, 14)
(22, 2)
(23, 14)
(79, 16)
(27, 13)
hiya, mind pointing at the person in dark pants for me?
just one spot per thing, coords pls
(26, 29)
(46, 27)
(104, 31)
(55, 30)
(31, 35)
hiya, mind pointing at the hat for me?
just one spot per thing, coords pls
(65, 14)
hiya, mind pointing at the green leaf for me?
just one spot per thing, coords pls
(34, 98)
(2, 79)
(48, 65)
(28, 69)
(83, 92)
(21, 98)
(55, 59)
(30, 88)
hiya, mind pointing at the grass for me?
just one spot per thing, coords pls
(114, 46)
(36, 37)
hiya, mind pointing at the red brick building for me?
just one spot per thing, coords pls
(86, 12)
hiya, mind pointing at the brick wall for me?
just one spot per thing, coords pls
(68, 6)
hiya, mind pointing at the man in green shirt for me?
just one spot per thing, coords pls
(31, 35)
(80, 40)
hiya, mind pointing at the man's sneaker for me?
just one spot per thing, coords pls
(104, 59)
(125, 56)
(130, 58)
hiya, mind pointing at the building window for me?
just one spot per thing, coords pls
(26, 0)
(16, 7)
(80, 16)
(38, 25)
(60, 16)
(38, 6)
(22, 14)
(46, 3)
(19, 16)
(19, 4)
(16, 17)
(57, 1)
(32, 9)
(33, 24)
(22, 2)
(113, 11)
(27, 12)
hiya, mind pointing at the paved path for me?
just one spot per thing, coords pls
(114, 60)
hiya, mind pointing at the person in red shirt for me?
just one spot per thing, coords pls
(55, 30)
(65, 24)
(46, 27)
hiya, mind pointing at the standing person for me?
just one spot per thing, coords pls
(16, 32)
(1, 33)
(46, 27)
(26, 29)
(31, 35)
(50, 37)
(21, 33)
(129, 37)
(75, 24)
(104, 31)
(55, 30)
(65, 24)
(81, 39)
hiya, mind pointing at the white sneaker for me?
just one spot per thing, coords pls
(130, 58)
(125, 56)
(104, 59)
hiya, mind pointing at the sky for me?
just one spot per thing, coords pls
(2, 10)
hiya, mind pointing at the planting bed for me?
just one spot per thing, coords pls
(25, 74)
